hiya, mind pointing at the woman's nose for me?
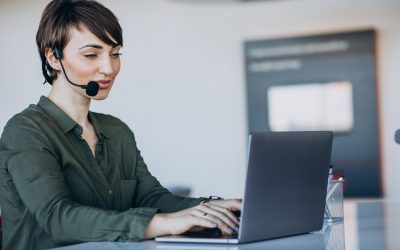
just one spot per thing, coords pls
(106, 66)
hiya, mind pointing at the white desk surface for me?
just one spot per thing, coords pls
(368, 225)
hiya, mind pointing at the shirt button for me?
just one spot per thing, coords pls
(110, 192)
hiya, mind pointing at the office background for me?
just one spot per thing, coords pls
(323, 82)
(182, 83)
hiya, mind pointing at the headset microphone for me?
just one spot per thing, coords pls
(397, 136)
(92, 88)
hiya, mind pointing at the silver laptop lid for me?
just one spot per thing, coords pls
(285, 185)
(285, 188)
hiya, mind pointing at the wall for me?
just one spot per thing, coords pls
(181, 87)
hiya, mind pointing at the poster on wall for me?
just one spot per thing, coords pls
(321, 82)
(311, 106)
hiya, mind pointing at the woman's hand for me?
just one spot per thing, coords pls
(211, 214)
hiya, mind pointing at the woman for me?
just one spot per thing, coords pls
(69, 175)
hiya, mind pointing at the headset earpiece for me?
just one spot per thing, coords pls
(57, 53)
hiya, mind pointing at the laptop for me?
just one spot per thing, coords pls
(285, 189)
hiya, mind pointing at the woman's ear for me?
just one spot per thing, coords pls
(51, 59)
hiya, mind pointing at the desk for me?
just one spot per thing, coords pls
(367, 225)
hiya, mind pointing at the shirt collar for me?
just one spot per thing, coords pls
(98, 126)
(65, 122)
(60, 117)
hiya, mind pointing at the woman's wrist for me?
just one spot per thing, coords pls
(156, 227)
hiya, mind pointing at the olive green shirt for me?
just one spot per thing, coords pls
(54, 191)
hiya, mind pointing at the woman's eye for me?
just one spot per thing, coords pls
(90, 55)
(116, 55)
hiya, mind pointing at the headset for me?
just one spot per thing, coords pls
(92, 88)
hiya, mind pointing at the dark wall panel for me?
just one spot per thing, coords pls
(326, 58)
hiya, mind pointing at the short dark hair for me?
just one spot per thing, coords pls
(60, 16)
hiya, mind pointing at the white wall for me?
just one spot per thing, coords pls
(182, 89)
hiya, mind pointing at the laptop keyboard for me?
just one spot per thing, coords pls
(205, 232)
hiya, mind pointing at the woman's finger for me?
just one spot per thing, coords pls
(199, 213)
(232, 204)
(203, 221)
(222, 217)
(225, 229)
(225, 211)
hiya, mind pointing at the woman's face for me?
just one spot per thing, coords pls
(86, 58)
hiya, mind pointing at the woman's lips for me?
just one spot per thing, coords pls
(104, 84)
